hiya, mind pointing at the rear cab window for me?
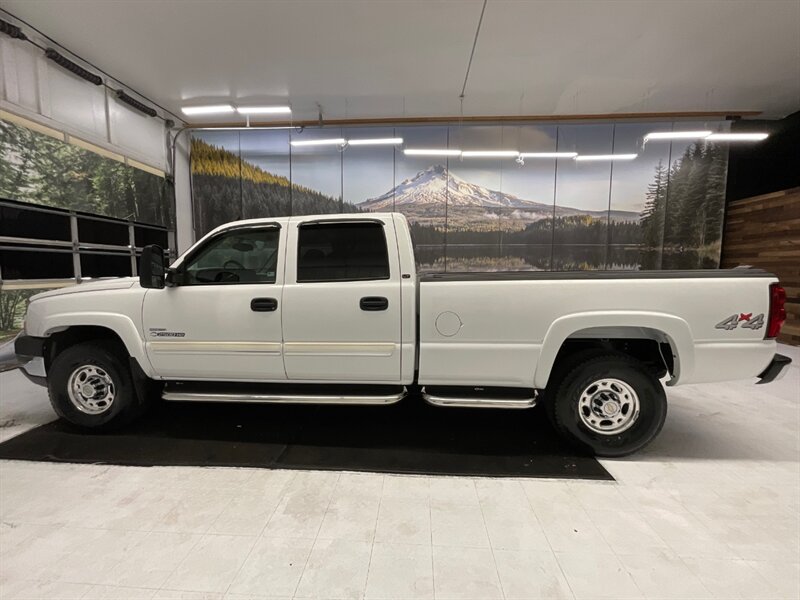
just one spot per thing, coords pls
(342, 251)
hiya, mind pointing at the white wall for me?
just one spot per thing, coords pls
(34, 87)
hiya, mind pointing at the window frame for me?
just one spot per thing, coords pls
(179, 277)
(326, 222)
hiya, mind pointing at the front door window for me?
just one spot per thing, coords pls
(236, 256)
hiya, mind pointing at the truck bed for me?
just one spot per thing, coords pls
(562, 275)
(506, 328)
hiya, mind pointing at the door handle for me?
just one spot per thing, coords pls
(263, 304)
(374, 303)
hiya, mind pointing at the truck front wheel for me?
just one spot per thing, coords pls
(612, 404)
(91, 387)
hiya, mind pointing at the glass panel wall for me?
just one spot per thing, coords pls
(40, 169)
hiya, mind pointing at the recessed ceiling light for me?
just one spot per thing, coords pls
(216, 109)
(322, 142)
(263, 110)
(431, 152)
(737, 137)
(375, 141)
(676, 135)
(490, 154)
(548, 154)
(606, 156)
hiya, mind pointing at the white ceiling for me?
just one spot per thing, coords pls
(395, 58)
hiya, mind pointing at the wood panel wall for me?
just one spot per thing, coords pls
(764, 231)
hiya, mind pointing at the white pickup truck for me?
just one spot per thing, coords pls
(330, 309)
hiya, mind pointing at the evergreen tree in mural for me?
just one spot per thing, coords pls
(714, 203)
(683, 210)
(37, 168)
(226, 188)
(652, 222)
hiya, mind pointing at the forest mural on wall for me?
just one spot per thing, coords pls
(684, 208)
(226, 188)
(663, 210)
(40, 169)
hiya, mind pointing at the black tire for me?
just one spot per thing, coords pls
(578, 374)
(106, 356)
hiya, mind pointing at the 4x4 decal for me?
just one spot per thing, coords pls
(747, 320)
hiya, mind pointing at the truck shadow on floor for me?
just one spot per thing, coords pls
(408, 437)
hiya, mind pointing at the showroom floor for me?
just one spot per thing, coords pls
(709, 510)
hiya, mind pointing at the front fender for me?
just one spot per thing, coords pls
(675, 329)
(120, 324)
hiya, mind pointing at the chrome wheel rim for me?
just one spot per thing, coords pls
(91, 389)
(608, 406)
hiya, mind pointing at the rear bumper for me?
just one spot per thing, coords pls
(775, 370)
(30, 355)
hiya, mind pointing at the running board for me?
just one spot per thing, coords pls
(482, 398)
(281, 397)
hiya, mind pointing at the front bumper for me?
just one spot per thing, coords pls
(775, 370)
(30, 355)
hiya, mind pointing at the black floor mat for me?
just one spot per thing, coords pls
(408, 437)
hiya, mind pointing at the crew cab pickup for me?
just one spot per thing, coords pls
(330, 309)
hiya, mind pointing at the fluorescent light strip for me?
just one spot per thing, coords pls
(490, 154)
(588, 157)
(263, 110)
(323, 142)
(737, 137)
(216, 109)
(548, 154)
(431, 152)
(676, 135)
(375, 142)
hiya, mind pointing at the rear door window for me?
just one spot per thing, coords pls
(345, 251)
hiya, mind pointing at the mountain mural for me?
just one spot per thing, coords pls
(457, 225)
(423, 197)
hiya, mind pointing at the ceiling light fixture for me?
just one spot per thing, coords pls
(548, 154)
(375, 142)
(322, 142)
(263, 110)
(676, 135)
(589, 157)
(490, 154)
(737, 137)
(431, 152)
(215, 109)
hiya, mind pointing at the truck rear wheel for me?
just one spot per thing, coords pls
(91, 387)
(610, 403)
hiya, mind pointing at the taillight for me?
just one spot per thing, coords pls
(777, 310)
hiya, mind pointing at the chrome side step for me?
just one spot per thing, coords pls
(478, 401)
(286, 398)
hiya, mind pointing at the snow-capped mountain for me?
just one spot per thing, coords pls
(430, 188)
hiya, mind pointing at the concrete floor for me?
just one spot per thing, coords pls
(710, 510)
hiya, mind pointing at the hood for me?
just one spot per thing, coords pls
(117, 283)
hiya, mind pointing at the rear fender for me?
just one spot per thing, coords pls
(674, 329)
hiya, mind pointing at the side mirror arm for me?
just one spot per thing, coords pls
(170, 277)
